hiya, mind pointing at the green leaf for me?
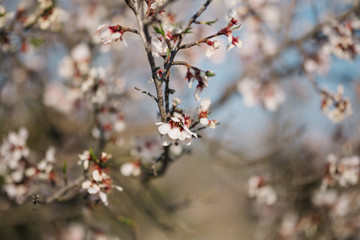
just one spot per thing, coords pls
(210, 73)
(211, 22)
(92, 154)
(64, 168)
(37, 42)
(126, 220)
(159, 30)
(188, 30)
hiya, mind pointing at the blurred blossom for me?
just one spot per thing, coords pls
(258, 188)
(325, 198)
(75, 231)
(320, 62)
(254, 92)
(335, 106)
(345, 170)
(131, 169)
(61, 98)
(288, 225)
(14, 148)
(5, 16)
(147, 149)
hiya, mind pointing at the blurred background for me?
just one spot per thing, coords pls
(282, 164)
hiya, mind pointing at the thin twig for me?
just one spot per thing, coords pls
(58, 194)
(147, 93)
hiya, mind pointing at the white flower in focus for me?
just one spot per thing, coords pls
(109, 34)
(159, 47)
(234, 42)
(176, 129)
(99, 185)
(203, 111)
(131, 169)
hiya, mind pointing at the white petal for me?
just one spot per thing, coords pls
(204, 121)
(174, 133)
(164, 129)
(86, 184)
(127, 169)
(166, 140)
(103, 198)
(96, 176)
(183, 135)
(118, 188)
(188, 141)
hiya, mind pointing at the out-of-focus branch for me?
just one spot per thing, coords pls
(268, 59)
(59, 193)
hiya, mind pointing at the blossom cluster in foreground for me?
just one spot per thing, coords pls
(178, 128)
(99, 182)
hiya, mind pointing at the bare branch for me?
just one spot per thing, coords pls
(58, 194)
(147, 93)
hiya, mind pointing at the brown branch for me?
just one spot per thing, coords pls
(147, 93)
(59, 193)
(146, 38)
(189, 45)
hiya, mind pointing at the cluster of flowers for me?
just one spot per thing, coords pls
(344, 171)
(76, 65)
(201, 77)
(89, 83)
(228, 31)
(254, 92)
(46, 16)
(335, 106)
(340, 206)
(318, 62)
(109, 34)
(17, 169)
(342, 38)
(253, 15)
(259, 189)
(338, 39)
(178, 128)
(99, 183)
